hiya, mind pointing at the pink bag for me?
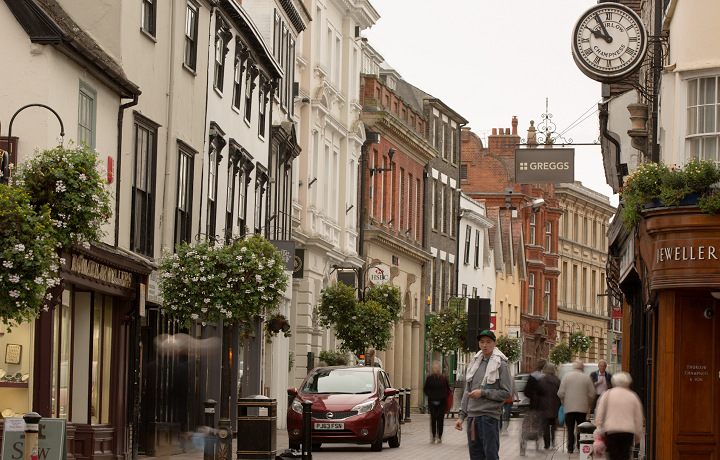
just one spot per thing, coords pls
(598, 444)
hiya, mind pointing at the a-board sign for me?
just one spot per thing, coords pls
(51, 439)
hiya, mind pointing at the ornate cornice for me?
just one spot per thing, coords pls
(387, 241)
(411, 143)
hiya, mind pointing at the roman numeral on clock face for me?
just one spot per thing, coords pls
(587, 52)
(608, 16)
(597, 60)
(630, 51)
(632, 39)
(585, 40)
(609, 62)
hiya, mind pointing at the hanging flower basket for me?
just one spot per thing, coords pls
(275, 324)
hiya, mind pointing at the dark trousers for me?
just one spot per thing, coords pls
(486, 431)
(572, 419)
(436, 418)
(505, 414)
(548, 427)
(618, 445)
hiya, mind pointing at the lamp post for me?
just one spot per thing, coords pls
(5, 160)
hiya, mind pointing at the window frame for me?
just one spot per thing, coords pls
(191, 42)
(183, 217)
(531, 293)
(468, 236)
(477, 248)
(149, 25)
(90, 94)
(144, 242)
(701, 134)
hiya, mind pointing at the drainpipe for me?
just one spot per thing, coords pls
(170, 126)
(118, 169)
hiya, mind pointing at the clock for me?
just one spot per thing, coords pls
(609, 42)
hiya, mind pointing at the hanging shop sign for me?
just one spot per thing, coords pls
(287, 253)
(100, 272)
(153, 289)
(544, 166)
(379, 274)
(299, 263)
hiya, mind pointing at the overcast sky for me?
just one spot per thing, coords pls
(490, 60)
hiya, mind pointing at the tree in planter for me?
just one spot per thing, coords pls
(360, 324)
(231, 283)
(510, 348)
(331, 357)
(448, 331)
(579, 342)
(560, 354)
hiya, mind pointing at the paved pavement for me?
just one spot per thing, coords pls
(416, 445)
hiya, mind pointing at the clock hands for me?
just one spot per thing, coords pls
(597, 33)
(606, 36)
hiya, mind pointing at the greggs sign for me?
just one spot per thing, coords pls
(544, 166)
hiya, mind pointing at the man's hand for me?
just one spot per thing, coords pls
(475, 394)
(458, 424)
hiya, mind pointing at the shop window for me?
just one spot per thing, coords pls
(16, 377)
(82, 366)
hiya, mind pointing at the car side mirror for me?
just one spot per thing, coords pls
(390, 392)
(292, 392)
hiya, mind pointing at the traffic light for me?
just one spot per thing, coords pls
(478, 320)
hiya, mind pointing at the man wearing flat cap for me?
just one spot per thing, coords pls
(487, 387)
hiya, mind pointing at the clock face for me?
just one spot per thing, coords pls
(609, 42)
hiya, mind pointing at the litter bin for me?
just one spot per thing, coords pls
(586, 430)
(257, 428)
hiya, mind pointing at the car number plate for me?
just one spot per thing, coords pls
(329, 426)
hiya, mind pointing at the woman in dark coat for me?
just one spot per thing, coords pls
(548, 402)
(436, 389)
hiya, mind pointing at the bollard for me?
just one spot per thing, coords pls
(32, 420)
(307, 430)
(586, 430)
(401, 399)
(209, 450)
(407, 405)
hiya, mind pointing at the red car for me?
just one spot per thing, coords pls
(349, 405)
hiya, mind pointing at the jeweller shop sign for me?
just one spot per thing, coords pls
(544, 166)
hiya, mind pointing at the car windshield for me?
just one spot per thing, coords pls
(520, 385)
(344, 381)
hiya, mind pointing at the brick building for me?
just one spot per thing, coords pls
(532, 227)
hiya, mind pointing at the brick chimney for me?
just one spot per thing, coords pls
(514, 126)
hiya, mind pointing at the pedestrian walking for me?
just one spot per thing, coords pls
(548, 403)
(436, 389)
(619, 417)
(487, 386)
(577, 394)
(531, 385)
(602, 381)
(507, 409)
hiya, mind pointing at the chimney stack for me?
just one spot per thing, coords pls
(494, 131)
(514, 125)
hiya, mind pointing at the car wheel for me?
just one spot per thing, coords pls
(395, 440)
(377, 445)
(294, 446)
(316, 446)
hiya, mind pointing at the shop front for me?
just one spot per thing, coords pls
(680, 274)
(73, 361)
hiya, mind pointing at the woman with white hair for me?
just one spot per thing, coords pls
(619, 416)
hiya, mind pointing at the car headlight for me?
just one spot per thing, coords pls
(297, 406)
(364, 407)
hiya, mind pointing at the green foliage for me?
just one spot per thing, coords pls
(276, 323)
(670, 184)
(232, 283)
(579, 342)
(291, 360)
(29, 261)
(448, 331)
(510, 348)
(360, 324)
(560, 354)
(70, 183)
(331, 357)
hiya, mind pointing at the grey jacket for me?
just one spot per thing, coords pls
(493, 397)
(576, 392)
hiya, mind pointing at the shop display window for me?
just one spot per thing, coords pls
(82, 334)
(16, 363)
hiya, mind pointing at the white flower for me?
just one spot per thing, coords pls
(7, 264)
(261, 289)
(264, 297)
(20, 247)
(247, 291)
(14, 294)
(229, 314)
(82, 176)
(243, 249)
(258, 278)
(203, 309)
(207, 301)
(239, 257)
(242, 278)
(271, 262)
(194, 316)
(39, 280)
(260, 267)
(59, 186)
(14, 278)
